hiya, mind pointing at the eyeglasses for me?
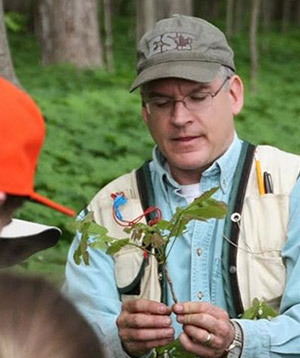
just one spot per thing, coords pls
(195, 102)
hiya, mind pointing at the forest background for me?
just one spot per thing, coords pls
(94, 128)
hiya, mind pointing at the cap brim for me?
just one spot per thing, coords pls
(51, 204)
(20, 239)
(189, 70)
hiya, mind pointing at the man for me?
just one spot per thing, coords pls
(191, 94)
(22, 133)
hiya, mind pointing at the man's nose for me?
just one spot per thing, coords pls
(181, 115)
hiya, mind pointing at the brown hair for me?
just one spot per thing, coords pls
(37, 321)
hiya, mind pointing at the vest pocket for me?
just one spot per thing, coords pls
(261, 272)
(136, 276)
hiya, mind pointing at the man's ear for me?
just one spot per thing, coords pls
(145, 114)
(236, 94)
(3, 197)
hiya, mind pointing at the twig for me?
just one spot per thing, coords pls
(170, 282)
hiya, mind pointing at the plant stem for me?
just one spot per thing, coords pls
(170, 282)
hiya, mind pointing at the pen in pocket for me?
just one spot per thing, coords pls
(268, 183)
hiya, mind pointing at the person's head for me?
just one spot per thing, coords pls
(38, 322)
(8, 205)
(188, 60)
(22, 133)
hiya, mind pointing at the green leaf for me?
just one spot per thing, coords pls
(96, 229)
(101, 245)
(258, 310)
(268, 311)
(208, 212)
(86, 257)
(174, 349)
(116, 246)
(77, 256)
(147, 239)
(81, 224)
(205, 196)
(128, 229)
(163, 225)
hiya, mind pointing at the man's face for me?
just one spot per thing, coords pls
(192, 139)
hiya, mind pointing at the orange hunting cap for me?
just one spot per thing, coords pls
(22, 133)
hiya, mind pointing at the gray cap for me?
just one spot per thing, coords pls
(183, 47)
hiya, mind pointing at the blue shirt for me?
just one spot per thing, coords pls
(195, 267)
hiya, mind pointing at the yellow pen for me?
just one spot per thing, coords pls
(260, 181)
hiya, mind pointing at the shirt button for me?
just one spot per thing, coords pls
(199, 251)
(232, 269)
(200, 295)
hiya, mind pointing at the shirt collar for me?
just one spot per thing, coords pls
(226, 164)
(223, 166)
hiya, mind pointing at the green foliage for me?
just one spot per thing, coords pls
(259, 310)
(146, 237)
(157, 236)
(173, 350)
(15, 21)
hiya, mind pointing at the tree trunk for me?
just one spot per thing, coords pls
(168, 8)
(23, 6)
(297, 13)
(238, 15)
(69, 32)
(253, 43)
(6, 65)
(146, 16)
(267, 17)
(267, 12)
(229, 18)
(109, 57)
(215, 8)
(202, 9)
(286, 13)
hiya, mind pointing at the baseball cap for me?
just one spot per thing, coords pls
(183, 47)
(22, 133)
(20, 239)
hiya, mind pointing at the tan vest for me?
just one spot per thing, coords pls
(263, 232)
(130, 266)
(264, 221)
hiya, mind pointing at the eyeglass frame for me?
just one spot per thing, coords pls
(174, 101)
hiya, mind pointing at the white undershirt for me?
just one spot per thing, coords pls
(190, 192)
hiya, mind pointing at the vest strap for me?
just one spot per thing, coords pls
(145, 188)
(146, 192)
(231, 230)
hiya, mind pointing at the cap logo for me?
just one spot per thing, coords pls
(170, 41)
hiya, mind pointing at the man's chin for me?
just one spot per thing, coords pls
(185, 163)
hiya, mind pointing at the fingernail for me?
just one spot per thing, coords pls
(180, 319)
(170, 332)
(162, 309)
(168, 321)
(178, 308)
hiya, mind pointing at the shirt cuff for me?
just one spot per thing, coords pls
(256, 338)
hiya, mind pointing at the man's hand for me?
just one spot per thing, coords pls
(207, 330)
(144, 325)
